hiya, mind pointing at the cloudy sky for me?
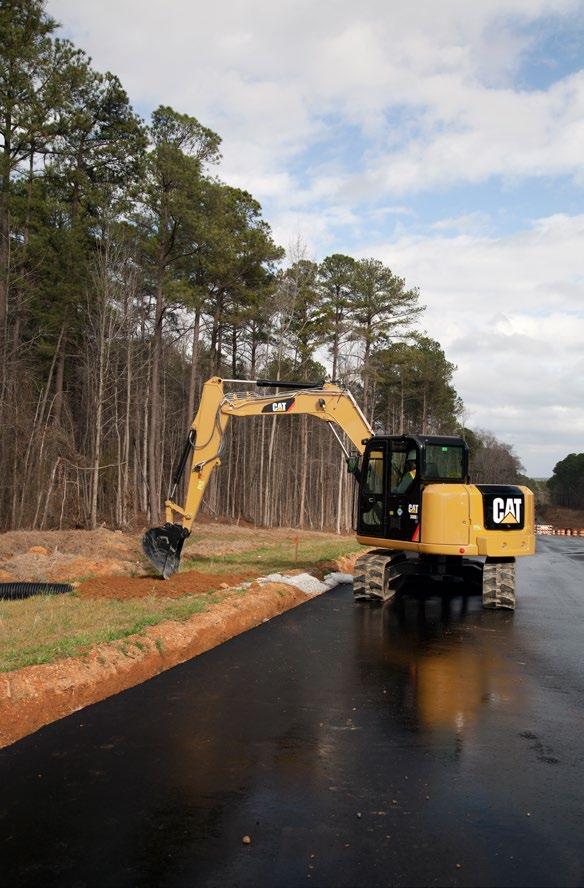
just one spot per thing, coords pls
(445, 138)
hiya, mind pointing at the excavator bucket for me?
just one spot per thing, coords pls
(163, 546)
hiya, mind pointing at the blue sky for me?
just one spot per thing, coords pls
(446, 139)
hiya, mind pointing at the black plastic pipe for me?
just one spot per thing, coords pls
(15, 591)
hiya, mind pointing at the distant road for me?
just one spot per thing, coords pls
(427, 743)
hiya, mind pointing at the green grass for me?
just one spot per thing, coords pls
(273, 559)
(47, 628)
(53, 627)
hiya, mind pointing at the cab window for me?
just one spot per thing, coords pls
(398, 462)
(374, 477)
(444, 462)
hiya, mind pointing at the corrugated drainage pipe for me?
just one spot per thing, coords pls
(14, 591)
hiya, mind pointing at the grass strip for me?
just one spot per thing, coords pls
(272, 559)
(48, 628)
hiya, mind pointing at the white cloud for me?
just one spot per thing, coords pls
(270, 77)
(490, 132)
(510, 313)
(466, 223)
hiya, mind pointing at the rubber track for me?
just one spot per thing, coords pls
(16, 591)
(374, 573)
(499, 584)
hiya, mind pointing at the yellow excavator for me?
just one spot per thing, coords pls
(414, 503)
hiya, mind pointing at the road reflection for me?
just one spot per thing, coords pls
(441, 658)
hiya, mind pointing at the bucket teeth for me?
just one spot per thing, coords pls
(163, 547)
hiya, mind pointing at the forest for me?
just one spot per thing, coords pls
(130, 273)
(566, 486)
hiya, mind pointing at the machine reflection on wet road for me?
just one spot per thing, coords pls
(426, 743)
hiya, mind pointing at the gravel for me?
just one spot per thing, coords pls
(307, 583)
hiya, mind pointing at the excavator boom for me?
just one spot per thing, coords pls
(326, 402)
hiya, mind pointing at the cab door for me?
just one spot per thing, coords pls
(372, 491)
(404, 501)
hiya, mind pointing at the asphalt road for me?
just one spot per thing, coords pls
(425, 743)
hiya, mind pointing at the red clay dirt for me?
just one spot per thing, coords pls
(37, 695)
(190, 582)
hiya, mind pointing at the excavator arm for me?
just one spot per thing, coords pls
(327, 402)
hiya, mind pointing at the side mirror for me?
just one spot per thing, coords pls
(354, 465)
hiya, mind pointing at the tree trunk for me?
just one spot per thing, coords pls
(97, 420)
(5, 228)
(154, 430)
(59, 377)
(342, 469)
(190, 407)
(127, 420)
(234, 351)
(303, 470)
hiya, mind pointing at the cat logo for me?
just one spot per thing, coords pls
(507, 511)
(279, 406)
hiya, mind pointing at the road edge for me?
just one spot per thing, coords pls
(35, 696)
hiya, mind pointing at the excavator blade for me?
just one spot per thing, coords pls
(163, 546)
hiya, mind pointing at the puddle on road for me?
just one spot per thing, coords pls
(442, 660)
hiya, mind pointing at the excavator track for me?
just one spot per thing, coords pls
(499, 583)
(376, 575)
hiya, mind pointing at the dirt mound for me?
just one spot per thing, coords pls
(190, 582)
(35, 567)
(346, 563)
(87, 543)
(56, 555)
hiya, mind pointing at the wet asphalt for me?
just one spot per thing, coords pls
(424, 743)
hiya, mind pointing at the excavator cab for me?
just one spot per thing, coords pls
(393, 474)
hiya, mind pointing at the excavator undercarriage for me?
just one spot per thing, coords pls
(379, 575)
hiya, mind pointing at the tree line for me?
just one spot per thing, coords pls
(130, 273)
(566, 486)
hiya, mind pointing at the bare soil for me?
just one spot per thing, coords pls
(58, 555)
(74, 555)
(190, 582)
